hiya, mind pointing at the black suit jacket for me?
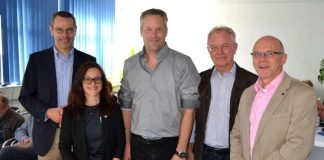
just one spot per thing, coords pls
(73, 135)
(39, 93)
(243, 79)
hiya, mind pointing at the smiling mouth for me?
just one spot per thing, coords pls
(154, 41)
(65, 40)
(220, 58)
(263, 67)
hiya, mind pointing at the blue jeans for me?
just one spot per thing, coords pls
(142, 149)
(213, 156)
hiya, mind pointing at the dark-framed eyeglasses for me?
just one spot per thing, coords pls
(257, 54)
(96, 80)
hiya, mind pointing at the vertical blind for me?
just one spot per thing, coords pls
(25, 29)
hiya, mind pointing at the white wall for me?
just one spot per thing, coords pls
(298, 23)
(12, 92)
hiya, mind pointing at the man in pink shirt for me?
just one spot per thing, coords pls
(276, 116)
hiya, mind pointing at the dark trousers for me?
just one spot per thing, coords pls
(215, 154)
(143, 149)
(17, 153)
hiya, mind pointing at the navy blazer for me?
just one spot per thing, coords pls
(39, 93)
(243, 79)
(73, 135)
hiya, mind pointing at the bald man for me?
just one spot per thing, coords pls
(276, 115)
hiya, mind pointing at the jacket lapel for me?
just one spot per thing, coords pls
(106, 133)
(245, 119)
(80, 129)
(237, 85)
(274, 103)
(205, 90)
(76, 63)
(51, 76)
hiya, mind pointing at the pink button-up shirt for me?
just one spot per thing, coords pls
(260, 103)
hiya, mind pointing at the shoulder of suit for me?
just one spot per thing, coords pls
(42, 52)
(250, 88)
(244, 71)
(297, 83)
(83, 54)
(78, 51)
(206, 72)
(15, 115)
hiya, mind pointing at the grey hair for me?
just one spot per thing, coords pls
(229, 30)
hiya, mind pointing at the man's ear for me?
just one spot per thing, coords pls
(50, 28)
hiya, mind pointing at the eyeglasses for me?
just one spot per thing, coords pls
(96, 80)
(223, 47)
(265, 54)
(67, 31)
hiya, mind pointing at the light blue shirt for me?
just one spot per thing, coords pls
(64, 70)
(217, 126)
(25, 130)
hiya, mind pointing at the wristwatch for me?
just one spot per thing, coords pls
(181, 154)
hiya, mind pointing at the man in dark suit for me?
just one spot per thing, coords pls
(220, 90)
(47, 82)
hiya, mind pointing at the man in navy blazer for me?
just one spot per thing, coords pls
(47, 82)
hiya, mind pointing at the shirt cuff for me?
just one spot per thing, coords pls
(190, 103)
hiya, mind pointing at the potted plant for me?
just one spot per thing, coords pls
(321, 72)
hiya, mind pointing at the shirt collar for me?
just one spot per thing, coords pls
(161, 53)
(57, 54)
(272, 85)
(231, 72)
